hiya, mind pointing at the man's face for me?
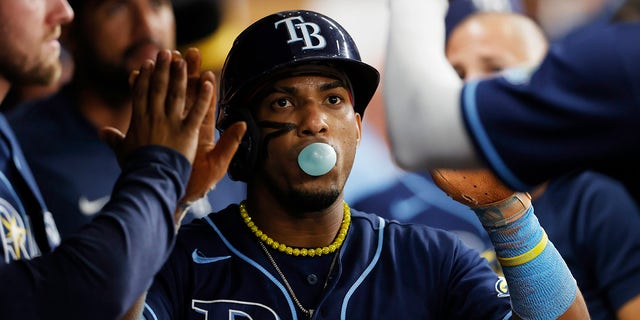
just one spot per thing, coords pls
(29, 32)
(117, 36)
(293, 113)
(482, 47)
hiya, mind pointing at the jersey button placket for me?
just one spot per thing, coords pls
(312, 279)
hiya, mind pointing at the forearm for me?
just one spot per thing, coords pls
(422, 91)
(540, 283)
(99, 272)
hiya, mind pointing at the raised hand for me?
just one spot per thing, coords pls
(160, 115)
(212, 159)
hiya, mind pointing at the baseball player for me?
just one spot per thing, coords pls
(99, 272)
(413, 197)
(590, 218)
(295, 250)
(77, 171)
(578, 109)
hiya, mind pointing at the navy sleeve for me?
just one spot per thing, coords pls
(579, 109)
(102, 270)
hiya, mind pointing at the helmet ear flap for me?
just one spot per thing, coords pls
(244, 161)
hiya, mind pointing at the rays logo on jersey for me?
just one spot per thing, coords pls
(233, 310)
(502, 288)
(309, 32)
(17, 242)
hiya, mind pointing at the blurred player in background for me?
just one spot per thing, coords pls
(108, 39)
(413, 197)
(98, 273)
(577, 110)
(591, 218)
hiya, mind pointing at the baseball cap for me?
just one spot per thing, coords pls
(195, 19)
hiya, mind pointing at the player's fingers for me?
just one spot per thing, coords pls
(132, 77)
(207, 133)
(140, 94)
(196, 115)
(194, 62)
(175, 55)
(228, 143)
(159, 83)
(208, 127)
(177, 90)
(208, 76)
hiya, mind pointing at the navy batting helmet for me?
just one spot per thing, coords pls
(269, 47)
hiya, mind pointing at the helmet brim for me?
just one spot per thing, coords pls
(364, 80)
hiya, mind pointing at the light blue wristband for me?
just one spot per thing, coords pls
(543, 287)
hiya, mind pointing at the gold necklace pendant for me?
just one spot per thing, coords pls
(335, 245)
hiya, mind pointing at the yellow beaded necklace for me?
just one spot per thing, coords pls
(335, 245)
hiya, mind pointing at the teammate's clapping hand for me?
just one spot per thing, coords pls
(212, 159)
(173, 106)
(159, 113)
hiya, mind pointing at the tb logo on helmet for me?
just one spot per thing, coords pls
(309, 30)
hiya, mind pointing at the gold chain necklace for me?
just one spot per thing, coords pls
(335, 245)
(307, 312)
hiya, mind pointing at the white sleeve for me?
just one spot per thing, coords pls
(422, 91)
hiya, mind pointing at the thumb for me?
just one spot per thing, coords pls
(229, 141)
(115, 139)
